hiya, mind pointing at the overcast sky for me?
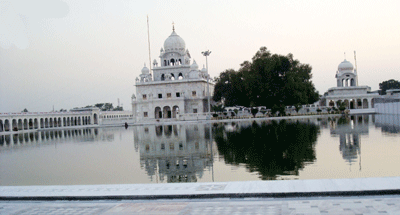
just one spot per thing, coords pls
(75, 53)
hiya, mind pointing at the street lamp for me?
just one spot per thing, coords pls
(206, 54)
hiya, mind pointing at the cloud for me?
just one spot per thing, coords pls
(14, 17)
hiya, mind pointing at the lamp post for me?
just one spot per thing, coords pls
(206, 54)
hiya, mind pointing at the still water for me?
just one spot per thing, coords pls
(358, 146)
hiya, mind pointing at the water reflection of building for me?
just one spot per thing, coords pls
(389, 123)
(179, 153)
(349, 131)
(47, 137)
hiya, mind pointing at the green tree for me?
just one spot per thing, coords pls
(389, 84)
(217, 108)
(229, 88)
(271, 149)
(268, 80)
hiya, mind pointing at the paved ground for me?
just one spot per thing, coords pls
(323, 196)
(318, 205)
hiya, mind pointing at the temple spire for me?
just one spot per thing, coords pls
(173, 26)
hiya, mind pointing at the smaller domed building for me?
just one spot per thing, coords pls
(175, 88)
(348, 90)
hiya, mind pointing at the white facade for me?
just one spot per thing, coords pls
(348, 90)
(175, 88)
(388, 105)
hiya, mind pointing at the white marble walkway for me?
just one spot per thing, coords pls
(357, 205)
(290, 188)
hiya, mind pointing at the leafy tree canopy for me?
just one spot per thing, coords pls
(267, 80)
(389, 84)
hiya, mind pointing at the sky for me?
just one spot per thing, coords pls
(73, 53)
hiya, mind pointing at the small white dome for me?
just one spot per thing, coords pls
(174, 43)
(194, 66)
(345, 65)
(145, 70)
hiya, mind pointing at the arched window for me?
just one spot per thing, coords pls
(162, 77)
(352, 82)
(14, 125)
(172, 61)
(365, 103)
(180, 76)
(157, 113)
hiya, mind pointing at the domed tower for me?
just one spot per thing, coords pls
(174, 52)
(145, 76)
(346, 75)
(174, 59)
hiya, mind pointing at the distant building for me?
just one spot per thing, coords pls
(176, 88)
(348, 90)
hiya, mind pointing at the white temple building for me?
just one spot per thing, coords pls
(348, 90)
(176, 88)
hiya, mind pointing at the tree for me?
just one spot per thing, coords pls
(217, 108)
(389, 84)
(268, 80)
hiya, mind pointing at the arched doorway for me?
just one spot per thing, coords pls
(365, 103)
(352, 104)
(175, 111)
(6, 125)
(14, 125)
(25, 124)
(157, 113)
(167, 112)
(30, 124)
(359, 104)
(95, 119)
(1, 126)
(20, 127)
(35, 123)
(352, 82)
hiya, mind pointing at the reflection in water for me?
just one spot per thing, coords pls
(175, 153)
(271, 148)
(52, 137)
(349, 130)
(185, 152)
(389, 123)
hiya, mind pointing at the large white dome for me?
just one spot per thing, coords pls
(174, 43)
(345, 65)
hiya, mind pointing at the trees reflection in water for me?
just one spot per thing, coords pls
(271, 148)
